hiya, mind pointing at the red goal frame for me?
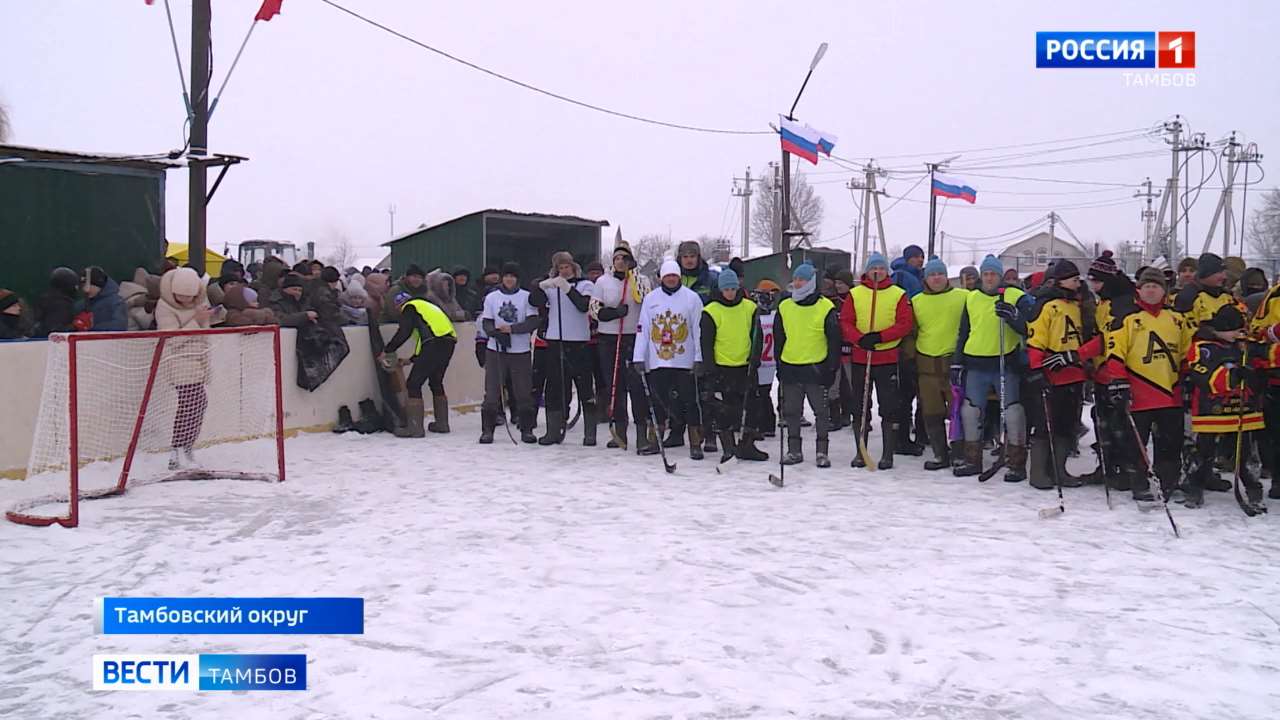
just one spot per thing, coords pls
(72, 517)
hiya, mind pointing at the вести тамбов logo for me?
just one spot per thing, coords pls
(1168, 56)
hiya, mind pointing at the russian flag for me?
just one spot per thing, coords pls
(826, 141)
(798, 139)
(949, 187)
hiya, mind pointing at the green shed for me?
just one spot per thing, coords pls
(492, 237)
(76, 209)
(775, 267)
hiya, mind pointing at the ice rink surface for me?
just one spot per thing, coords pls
(571, 582)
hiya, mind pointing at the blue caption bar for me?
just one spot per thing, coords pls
(230, 616)
(253, 672)
(1096, 49)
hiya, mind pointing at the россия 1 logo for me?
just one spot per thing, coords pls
(1168, 50)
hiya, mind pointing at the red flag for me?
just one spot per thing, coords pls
(151, 2)
(269, 9)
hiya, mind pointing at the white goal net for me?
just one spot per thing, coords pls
(119, 409)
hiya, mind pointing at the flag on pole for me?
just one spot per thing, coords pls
(826, 141)
(799, 140)
(949, 187)
(151, 2)
(269, 9)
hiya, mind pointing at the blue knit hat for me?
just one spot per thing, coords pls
(803, 271)
(935, 266)
(873, 260)
(728, 280)
(991, 263)
(912, 251)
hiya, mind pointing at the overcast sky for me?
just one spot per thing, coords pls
(341, 120)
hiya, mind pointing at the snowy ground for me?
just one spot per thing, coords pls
(568, 582)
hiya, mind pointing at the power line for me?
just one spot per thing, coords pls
(904, 195)
(1025, 228)
(534, 88)
(1130, 131)
(1051, 180)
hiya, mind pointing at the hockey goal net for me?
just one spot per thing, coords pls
(129, 408)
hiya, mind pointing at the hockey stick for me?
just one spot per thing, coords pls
(1097, 445)
(863, 426)
(502, 390)
(1244, 386)
(780, 479)
(753, 367)
(985, 475)
(1151, 481)
(1053, 454)
(653, 418)
(617, 359)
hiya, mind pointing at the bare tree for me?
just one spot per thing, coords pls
(652, 247)
(806, 213)
(5, 127)
(715, 249)
(343, 253)
(1264, 227)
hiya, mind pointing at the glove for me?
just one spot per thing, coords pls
(481, 351)
(1036, 382)
(555, 283)
(869, 341)
(503, 340)
(1005, 311)
(1118, 393)
(638, 366)
(388, 362)
(1060, 360)
(957, 375)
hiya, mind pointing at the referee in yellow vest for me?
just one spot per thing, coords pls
(434, 340)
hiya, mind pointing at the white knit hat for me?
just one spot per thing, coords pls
(669, 267)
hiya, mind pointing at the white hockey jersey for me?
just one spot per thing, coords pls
(669, 332)
(768, 361)
(563, 313)
(504, 309)
(608, 292)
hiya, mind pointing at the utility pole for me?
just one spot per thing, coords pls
(1147, 216)
(860, 222)
(1175, 131)
(744, 191)
(777, 204)
(933, 201)
(197, 190)
(1053, 226)
(391, 210)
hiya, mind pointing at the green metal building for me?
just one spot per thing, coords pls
(492, 237)
(775, 267)
(75, 209)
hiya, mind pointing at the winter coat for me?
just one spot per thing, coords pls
(907, 277)
(269, 279)
(395, 297)
(288, 312)
(669, 329)
(55, 311)
(470, 298)
(324, 301)
(892, 318)
(108, 308)
(442, 292)
(352, 302)
(186, 359)
(375, 290)
(701, 280)
(136, 304)
(240, 314)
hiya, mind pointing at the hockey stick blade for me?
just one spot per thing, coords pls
(1046, 513)
(990, 472)
(865, 454)
(775, 480)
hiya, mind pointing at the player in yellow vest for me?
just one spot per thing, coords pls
(434, 340)
(937, 313)
(807, 338)
(875, 319)
(994, 315)
(731, 345)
